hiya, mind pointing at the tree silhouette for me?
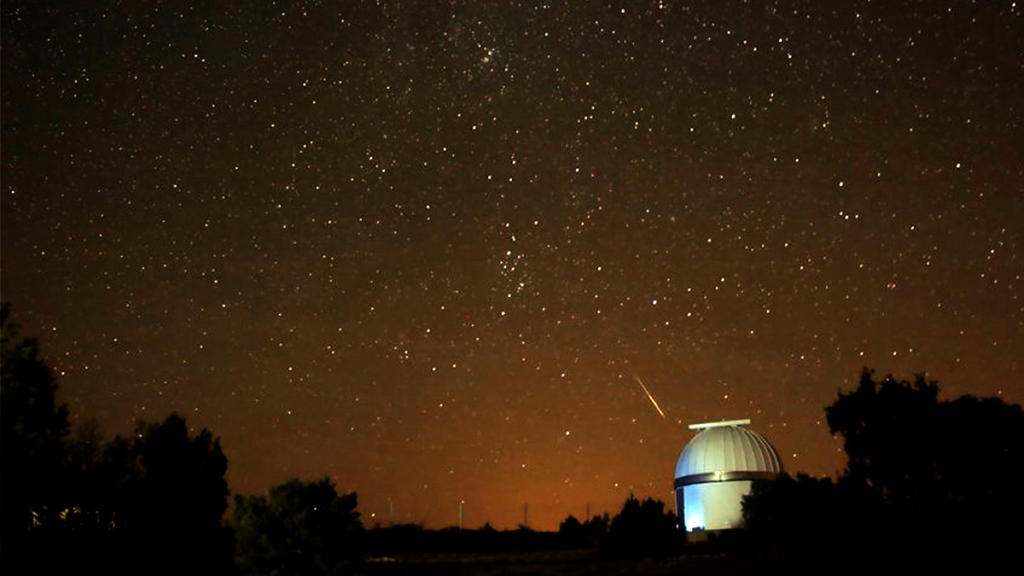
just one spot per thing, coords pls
(641, 529)
(588, 534)
(815, 514)
(924, 477)
(33, 427)
(932, 462)
(596, 527)
(302, 528)
(571, 532)
(151, 503)
(887, 431)
(167, 498)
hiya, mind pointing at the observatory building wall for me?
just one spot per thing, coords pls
(714, 505)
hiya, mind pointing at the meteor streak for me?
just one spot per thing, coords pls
(649, 397)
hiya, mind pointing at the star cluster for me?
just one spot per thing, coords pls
(428, 248)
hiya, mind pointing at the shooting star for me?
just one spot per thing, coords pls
(649, 397)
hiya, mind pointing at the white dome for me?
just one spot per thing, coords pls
(724, 447)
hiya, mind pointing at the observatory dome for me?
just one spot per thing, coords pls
(716, 469)
(726, 447)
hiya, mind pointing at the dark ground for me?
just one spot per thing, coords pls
(563, 562)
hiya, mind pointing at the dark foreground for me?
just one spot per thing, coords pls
(562, 562)
(589, 562)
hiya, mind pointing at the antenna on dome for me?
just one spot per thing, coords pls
(720, 424)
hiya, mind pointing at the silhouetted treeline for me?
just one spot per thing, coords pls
(150, 503)
(587, 534)
(923, 477)
(641, 529)
(33, 432)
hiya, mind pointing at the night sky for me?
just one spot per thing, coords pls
(430, 249)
